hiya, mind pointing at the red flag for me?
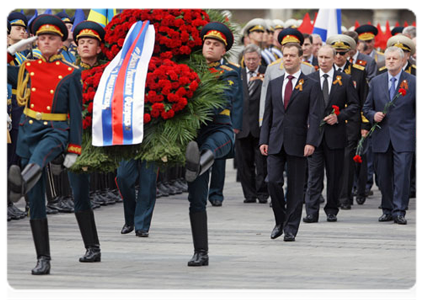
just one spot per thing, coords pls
(306, 26)
(356, 24)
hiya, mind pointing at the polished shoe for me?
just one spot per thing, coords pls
(331, 218)
(250, 201)
(216, 202)
(42, 267)
(200, 258)
(91, 255)
(369, 193)
(310, 219)
(345, 206)
(262, 201)
(288, 237)
(360, 200)
(385, 218)
(141, 233)
(276, 232)
(400, 220)
(127, 229)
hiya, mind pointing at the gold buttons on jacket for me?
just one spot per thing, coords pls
(30, 122)
(57, 63)
(45, 123)
(28, 64)
(60, 76)
(33, 89)
(48, 108)
(32, 105)
(32, 74)
(51, 91)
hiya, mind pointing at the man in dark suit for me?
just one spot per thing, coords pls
(394, 142)
(337, 89)
(289, 134)
(356, 125)
(251, 164)
(308, 51)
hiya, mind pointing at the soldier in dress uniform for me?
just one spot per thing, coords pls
(66, 48)
(357, 125)
(215, 139)
(366, 44)
(276, 69)
(51, 91)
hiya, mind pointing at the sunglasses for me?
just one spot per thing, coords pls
(341, 53)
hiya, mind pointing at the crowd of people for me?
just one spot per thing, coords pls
(294, 111)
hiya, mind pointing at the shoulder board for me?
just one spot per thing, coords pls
(276, 62)
(307, 64)
(234, 64)
(361, 62)
(225, 67)
(383, 68)
(414, 67)
(362, 68)
(70, 64)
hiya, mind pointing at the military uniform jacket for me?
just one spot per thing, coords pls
(56, 90)
(357, 121)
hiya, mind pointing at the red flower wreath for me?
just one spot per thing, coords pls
(177, 30)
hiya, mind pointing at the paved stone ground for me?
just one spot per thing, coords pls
(357, 253)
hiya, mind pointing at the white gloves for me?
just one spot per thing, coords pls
(9, 123)
(70, 159)
(15, 47)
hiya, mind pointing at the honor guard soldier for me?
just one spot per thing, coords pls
(18, 26)
(215, 139)
(51, 91)
(276, 69)
(366, 38)
(409, 48)
(357, 125)
(66, 50)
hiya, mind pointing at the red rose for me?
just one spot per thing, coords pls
(147, 118)
(335, 110)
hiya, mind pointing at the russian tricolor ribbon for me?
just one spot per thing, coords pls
(118, 108)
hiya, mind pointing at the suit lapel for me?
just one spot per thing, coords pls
(385, 86)
(295, 91)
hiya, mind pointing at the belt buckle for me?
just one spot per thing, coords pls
(38, 116)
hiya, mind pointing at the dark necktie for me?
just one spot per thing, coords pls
(288, 91)
(251, 83)
(325, 88)
(392, 88)
(339, 69)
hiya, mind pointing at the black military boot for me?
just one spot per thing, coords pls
(39, 228)
(197, 163)
(21, 182)
(200, 237)
(86, 223)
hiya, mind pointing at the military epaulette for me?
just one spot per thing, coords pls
(361, 62)
(276, 62)
(225, 67)
(414, 67)
(234, 64)
(362, 68)
(70, 64)
(307, 64)
(382, 69)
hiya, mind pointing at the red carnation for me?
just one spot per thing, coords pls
(402, 91)
(335, 110)
(147, 118)
(358, 159)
